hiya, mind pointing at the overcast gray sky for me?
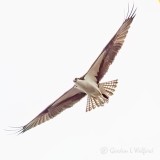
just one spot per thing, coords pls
(45, 45)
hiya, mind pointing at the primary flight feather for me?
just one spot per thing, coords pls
(98, 93)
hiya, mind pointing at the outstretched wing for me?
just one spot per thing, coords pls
(105, 59)
(68, 99)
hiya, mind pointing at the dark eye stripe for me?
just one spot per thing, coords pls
(82, 78)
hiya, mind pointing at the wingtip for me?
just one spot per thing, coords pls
(131, 13)
(15, 130)
(21, 130)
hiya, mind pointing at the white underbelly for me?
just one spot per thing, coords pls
(89, 88)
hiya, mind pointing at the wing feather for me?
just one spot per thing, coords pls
(97, 71)
(105, 59)
(68, 99)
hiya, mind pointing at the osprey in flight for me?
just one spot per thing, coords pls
(89, 84)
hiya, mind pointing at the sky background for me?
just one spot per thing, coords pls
(45, 45)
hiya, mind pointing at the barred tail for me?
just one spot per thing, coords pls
(107, 90)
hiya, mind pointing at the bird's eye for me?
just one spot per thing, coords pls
(75, 80)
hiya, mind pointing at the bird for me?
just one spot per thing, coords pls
(89, 84)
